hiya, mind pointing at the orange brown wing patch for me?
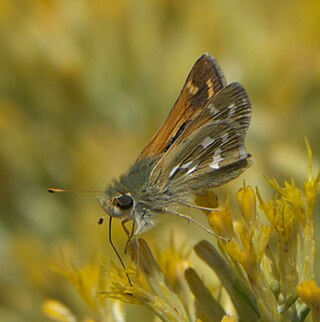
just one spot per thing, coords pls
(203, 82)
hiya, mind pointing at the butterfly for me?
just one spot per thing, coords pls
(199, 146)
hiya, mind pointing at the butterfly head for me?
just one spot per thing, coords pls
(117, 206)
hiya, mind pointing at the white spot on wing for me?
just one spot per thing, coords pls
(217, 158)
(192, 169)
(232, 109)
(186, 165)
(207, 141)
(225, 138)
(173, 171)
(216, 162)
(178, 167)
(243, 153)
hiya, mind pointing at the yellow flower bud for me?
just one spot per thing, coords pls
(247, 202)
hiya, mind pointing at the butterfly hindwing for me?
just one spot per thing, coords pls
(203, 82)
(216, 144)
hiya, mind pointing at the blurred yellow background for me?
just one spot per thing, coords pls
(85, 84)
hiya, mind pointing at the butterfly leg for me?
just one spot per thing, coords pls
(135, 252)
(135, 240)
(128, 232)
(132, 241)
(123, 223)
(200, 207)
(190, 219)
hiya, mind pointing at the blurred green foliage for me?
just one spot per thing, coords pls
(83, 86)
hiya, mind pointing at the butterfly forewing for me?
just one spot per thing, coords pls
(203, 82)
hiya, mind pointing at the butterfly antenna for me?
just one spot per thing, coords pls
(115, 250)
(54, 190)
(130, 235)
(100, 221)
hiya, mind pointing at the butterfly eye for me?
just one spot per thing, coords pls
(124, 202)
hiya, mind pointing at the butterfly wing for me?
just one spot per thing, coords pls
(211, 146)
(203, 82)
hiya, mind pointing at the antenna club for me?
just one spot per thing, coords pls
(54, 190)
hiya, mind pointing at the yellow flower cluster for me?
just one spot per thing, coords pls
(264, 262)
